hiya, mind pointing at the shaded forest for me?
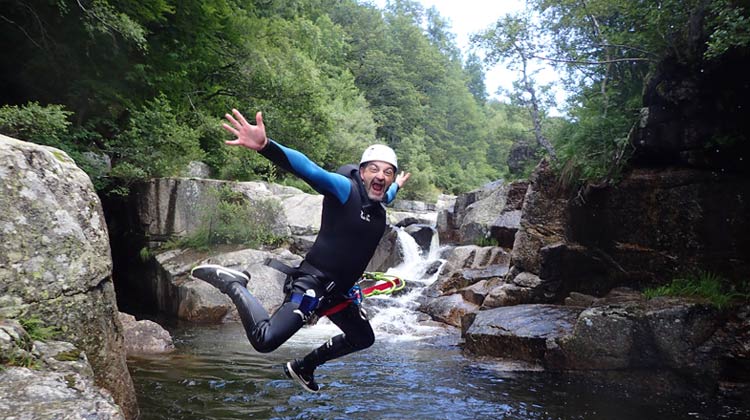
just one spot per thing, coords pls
(133, 90)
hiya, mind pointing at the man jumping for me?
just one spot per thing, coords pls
(352, 223)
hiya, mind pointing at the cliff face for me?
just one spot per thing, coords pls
(653, 226)
(55, 262)
(695, 109)
(579, 257)
(682, 202)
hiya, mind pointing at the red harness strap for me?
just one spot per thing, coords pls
(374, 289)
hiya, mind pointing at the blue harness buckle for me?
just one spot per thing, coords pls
(307, 304)
(355, 294)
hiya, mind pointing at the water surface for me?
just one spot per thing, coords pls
(215, 374)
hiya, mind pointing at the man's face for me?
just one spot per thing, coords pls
(377, 177)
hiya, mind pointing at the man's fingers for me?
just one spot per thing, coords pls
(402, 178)
(233, 121)
(246, 134)
(231, 129)
(239, 116)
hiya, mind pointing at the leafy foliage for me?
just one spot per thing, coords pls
(606, 50)
(147, 82)
(155, 144)
(702, 285)
(731, 27)
(33, 122)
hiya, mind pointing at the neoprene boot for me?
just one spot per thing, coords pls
(295, 370)
(220, 277)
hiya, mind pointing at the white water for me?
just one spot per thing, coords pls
(399, 318)
(394, 317)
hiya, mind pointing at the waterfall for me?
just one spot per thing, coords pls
(396, 317)
(415, 265)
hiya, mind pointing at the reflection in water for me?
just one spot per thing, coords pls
(414, 370)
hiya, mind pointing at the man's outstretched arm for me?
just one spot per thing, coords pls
(254, 137)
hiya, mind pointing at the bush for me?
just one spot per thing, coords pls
(594, 147)
(155, 143)
(702, 285)
(50, 126)
(46, 125)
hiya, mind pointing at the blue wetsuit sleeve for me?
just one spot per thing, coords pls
(390, 195)
(322, 181)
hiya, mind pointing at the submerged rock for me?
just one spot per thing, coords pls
(144, 336)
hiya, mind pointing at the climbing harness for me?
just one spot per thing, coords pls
(387, 284)
(308, 305)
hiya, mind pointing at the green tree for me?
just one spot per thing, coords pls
(516, 40)
(155, 144)
(353, 125)
(35, 123)
(147, 82)
(475, 73)
(609, 50)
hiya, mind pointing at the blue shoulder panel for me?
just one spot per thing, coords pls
(390, 195)
(322, 181)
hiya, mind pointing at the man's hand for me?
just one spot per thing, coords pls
(251, 136)
(402, 178)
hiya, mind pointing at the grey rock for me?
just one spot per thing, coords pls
(55, 262)
(144, 336)
(49, 380)
(195, 300)
(448, 309)
(196, 169)
(522, 332)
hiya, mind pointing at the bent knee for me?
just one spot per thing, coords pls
(264, 343)
(264, 347)
(362, 341)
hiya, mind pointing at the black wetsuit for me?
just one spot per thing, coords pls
(350, 230)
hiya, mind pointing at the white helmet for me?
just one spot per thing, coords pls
(379, 152)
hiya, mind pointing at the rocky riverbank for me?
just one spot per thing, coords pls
(557, 295)
(558, 286)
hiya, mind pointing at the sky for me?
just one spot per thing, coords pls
(467, 17)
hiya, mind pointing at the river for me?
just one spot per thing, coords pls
(415, 370)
